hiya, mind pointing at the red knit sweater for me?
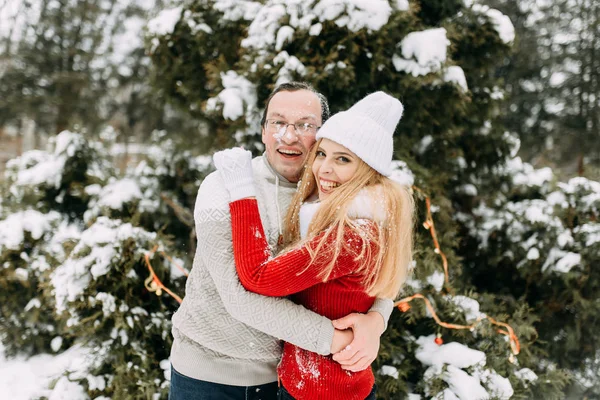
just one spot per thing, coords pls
(305, 375)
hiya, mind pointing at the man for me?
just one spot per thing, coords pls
(227, 340)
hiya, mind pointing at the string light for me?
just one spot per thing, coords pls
(403, 306)
(430, 226)
(153, 284)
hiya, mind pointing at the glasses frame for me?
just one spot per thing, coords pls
(270, 127)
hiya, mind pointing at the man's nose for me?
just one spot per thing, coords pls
(290, 135)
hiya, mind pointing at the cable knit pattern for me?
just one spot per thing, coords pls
(223, 333)
(218, 329)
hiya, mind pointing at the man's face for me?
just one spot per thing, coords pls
(287, 149)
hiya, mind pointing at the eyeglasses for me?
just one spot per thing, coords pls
(276, 126)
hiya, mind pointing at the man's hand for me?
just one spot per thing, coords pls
(367, 329)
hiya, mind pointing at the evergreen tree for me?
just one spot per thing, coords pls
(80, 250)
(440, 59)
(552, 81)
(79, 64)
(519, 247)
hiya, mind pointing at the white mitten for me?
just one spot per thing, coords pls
(235, 167)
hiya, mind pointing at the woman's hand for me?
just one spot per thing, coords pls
(235, 167)
(341, 340)
(367, 330)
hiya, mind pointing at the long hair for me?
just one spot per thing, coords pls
(386, 252)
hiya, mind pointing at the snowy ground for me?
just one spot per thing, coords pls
(25, 379)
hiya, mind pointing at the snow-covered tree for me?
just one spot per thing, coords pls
(74, 237)
(68, 64)
(440, 58)
(519, 246)
(553, 82)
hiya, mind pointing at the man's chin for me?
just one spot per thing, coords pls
(291, 173)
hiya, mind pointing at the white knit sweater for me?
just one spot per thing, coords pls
(223, 333)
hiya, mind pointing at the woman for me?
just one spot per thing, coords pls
(348, 232)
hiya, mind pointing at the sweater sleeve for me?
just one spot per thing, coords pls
(274, 316)
(288, 273)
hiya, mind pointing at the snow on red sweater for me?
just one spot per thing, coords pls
(306, 375)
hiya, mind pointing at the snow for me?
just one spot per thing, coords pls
(237, 98)
(561, 261)
(468, 189)
(456, 354)
(29, 378)
(423, 52)
(469, 306)
(14, 227)
(316, 29)
(526, 375)
(401, 173)
(449, 361)
(436, 280)
(497, 386)
(285, 34)
(591, 232)
(535, 211)
(401, 5)
(463, 385)
(533, 254)
(525, 174)
(46, 169)
(455, 74)
(118, 192)
(164, 23)
(500, 22)
(38, 168)
(265, 31)
(567, 262)
(56, 343)
(234, 10)
(424, 144)
(108, 303)
(99, 243)
(557, 79)
(65, 389)
(355, 14)
(291, 64)
(14, 16)
(389, 371)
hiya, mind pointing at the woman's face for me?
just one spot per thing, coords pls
(334, 165)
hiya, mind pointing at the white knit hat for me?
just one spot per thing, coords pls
(366, 129)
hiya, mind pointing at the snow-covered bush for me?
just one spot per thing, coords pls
(74, 237)
(31, 244)
(540, 241)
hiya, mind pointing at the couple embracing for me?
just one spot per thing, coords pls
(307, 244)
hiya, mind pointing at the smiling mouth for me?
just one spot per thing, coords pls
(327, 186)
(289, 153)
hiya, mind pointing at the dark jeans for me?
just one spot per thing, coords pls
(285, 395)
(186, 388)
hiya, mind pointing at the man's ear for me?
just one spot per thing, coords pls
(262, 134)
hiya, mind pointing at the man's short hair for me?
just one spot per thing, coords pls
(293, 87)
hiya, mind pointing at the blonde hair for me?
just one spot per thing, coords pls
(387, 270)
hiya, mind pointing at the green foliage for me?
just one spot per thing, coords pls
(540, 240)
(449, 137)
(73, 240)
